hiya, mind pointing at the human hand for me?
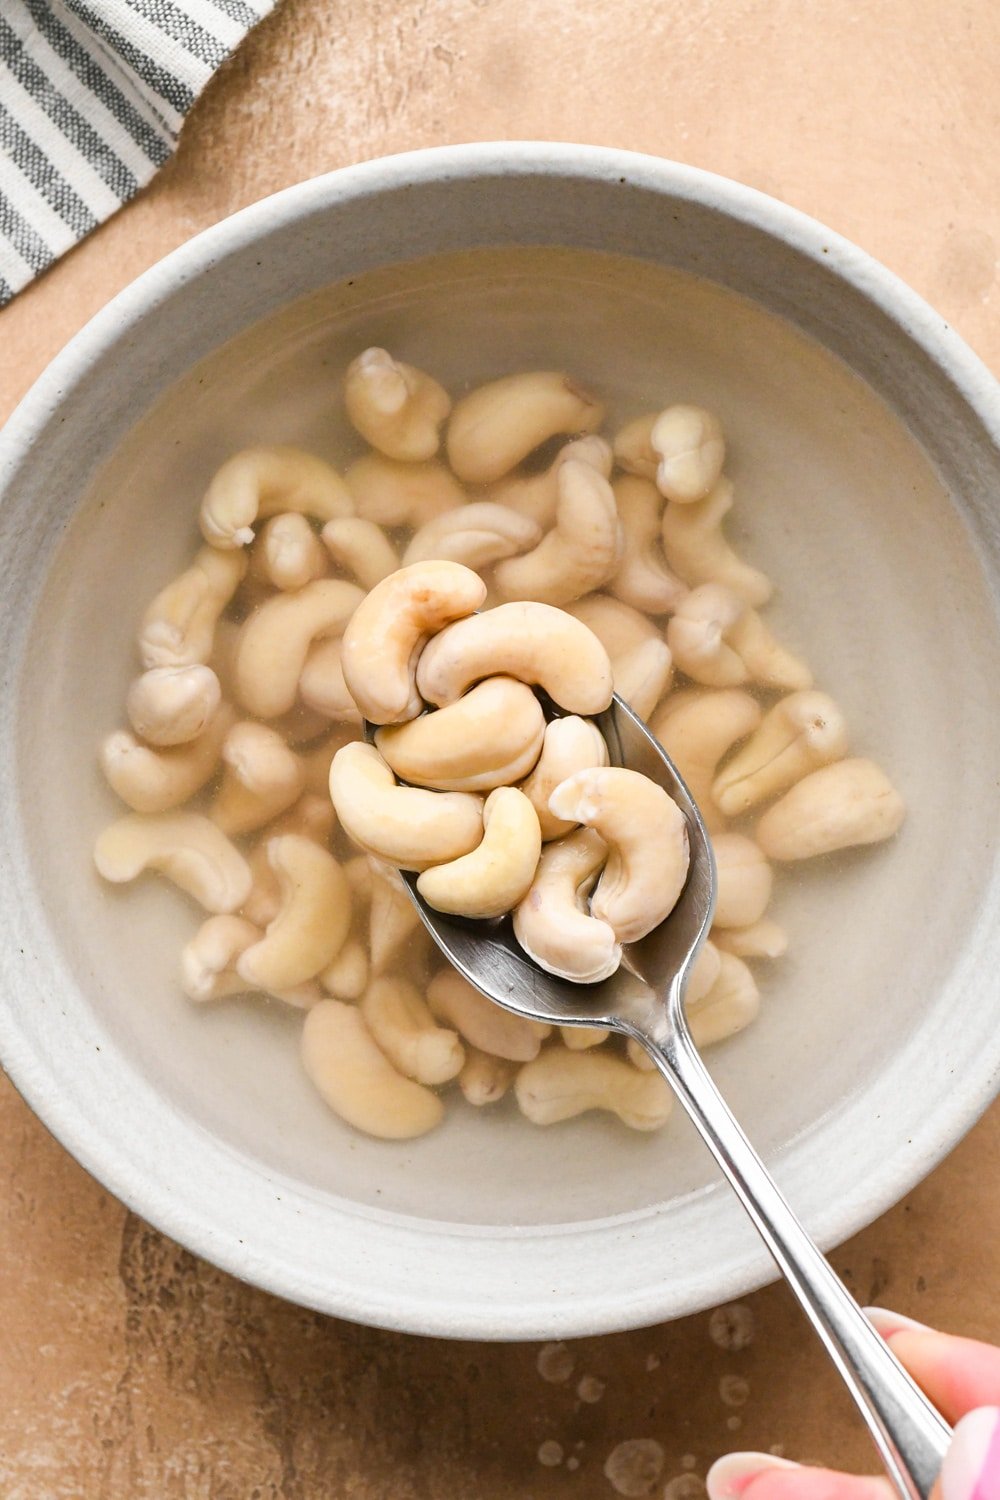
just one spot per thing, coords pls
(962, 1378)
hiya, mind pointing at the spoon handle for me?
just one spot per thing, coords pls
(909, 1433)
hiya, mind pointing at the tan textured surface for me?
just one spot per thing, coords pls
(128, 1368)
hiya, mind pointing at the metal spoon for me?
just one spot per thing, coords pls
(645, 1000)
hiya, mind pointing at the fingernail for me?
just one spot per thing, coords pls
(971, 1470)
(887, 1323)
(729, 1476)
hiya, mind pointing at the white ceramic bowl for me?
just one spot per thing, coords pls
(865, 450)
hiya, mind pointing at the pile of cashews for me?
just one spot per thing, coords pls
(469, 554)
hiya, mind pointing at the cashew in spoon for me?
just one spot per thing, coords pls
(275, 642)
(405, 825)
(633, 447)
(697, 551)
(490, 737)
(323, 685)
(480, 1022)
(536, 496)
(801, 733)
(643, 578)
(312, 922)
(533, 642)
(763, 939)
(729, 1006)
(496, 426)
(643, 675)
(745, 880)
(261, 777)
(647, 840)
(570, 744)
(362, 547)
(696, 728)
(560, 1084)
(496, 875)
(208, 961)
(154, 781)
(186, 847)
(476, 535)
(263, 482)
(580, 553)
(484, 1079)
(392, 918)
(346, 978)
(552, 923)
(397, 408)
(178, 628)
(388, 631)
(691, 450)
(287, 553)
(173, 705)
(403, 1026)
(394, 494)
(847, 803)
(356, 1079)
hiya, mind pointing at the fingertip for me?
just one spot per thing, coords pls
(730, 1475)
(762, 1476)
(886, 1322)
(971, 1469)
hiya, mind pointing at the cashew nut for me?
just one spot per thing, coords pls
(394, 494)
(172, 705)
(356, 1079)
(697, 551)
(691, 450)
(766, 660)
(323, 686)
(346, 978)
(275, 642)
(396, 407)
(580, 553)
(700, 636)
(225, 644)
(263, 482)
(617, 626)
(643, 578)
(482, 1023)
(799, 734)
(552, 923)
(312, 922)
(362, 547)
(560, 1084)
(407, 826)
(536, 496)
(178, 628)
(288, 554)
(208, 961)
(361, 871)
(633, 447)
(186, 847)
(704, 972)
(316, 762)
(847, 803)
(533, 642)
(312, 816)
(392, 918)
(496, 426)
(496, 875)
(745, 880)
(402, 1025)
(730, 1005)
(388, 631)
(484, 1079)
(154, 781)
(264, 899)
(489, 738)
(764, 939)
(580, 1038)
(261, 777)
(570, 744)
(647, 838)
(476, 535)
(643, 675)
(696, 728)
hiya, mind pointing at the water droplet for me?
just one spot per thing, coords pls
(734, 1390)
(590, 1389)
(731, 1326)
(550, 1454)
(555, 1363)
(634, 1467)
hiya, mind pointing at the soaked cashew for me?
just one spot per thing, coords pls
(401, 1023)
(261, 777)
(533, 642)
(643, 579)
(152, 780)
(388, 631)
(361, 871)
(208, 961)
(406, 826)
(764, 939)
(536, 496)
(633, 446)
(356, 1079)
(697, 551)
(476, 535)
(552, 923)
(798, 735)
(224, 646)
(847, 803)
(490, 737)
(316, 762)
(618, 626)
(362, 547)
(312, 922)
(392, 917)
(173, 705)
(643, 675)
(480, 1022)
(264, 899)
(323, 686)
(186, 847)
(496, 426)
(689, 443)
(178, 628)
(647, 840)
(264, 482)
(496, 875)
(312, 816)
(570, 744)
(580, 1038)
(394, 494)
(287, 554)
(484, 1079)
(729, 1006)
(700, 636)
(745, 881)
(766, 660)
(397, 408)
(346, 978)
(560, 1084)
(580, 553)
(696, 728)
(275, 642)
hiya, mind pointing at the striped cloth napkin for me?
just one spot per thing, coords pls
(93, 94)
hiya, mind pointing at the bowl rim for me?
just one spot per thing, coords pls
(955, 1110)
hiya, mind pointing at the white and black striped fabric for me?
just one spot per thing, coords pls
(93, 94)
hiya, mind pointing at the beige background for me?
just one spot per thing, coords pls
(128, 1368)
